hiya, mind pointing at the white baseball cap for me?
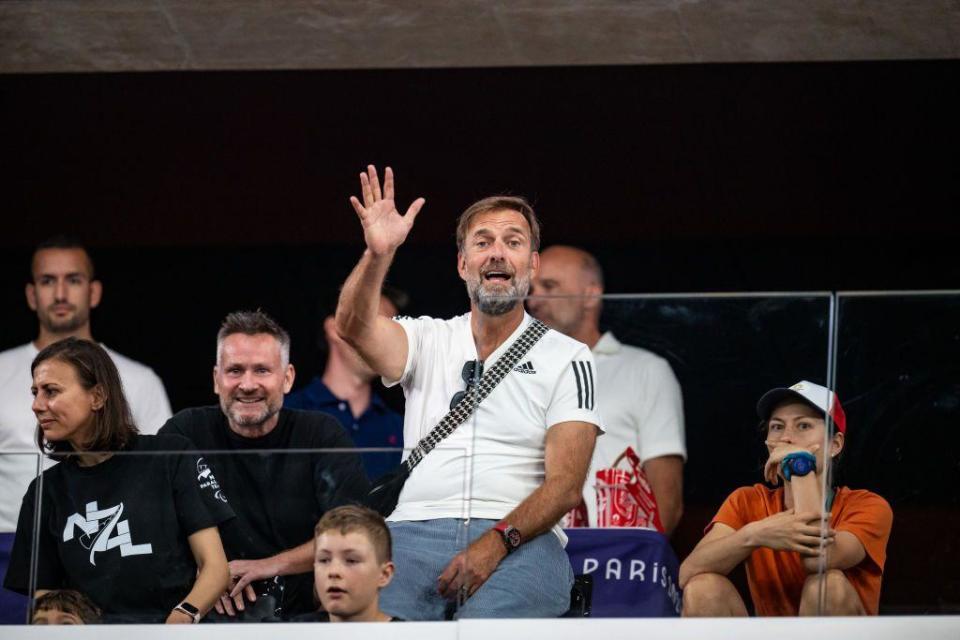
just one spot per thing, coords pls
(813, 394)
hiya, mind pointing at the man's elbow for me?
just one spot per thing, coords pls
(352, 339)
(347, 328)
(341, 323)
(570, 498)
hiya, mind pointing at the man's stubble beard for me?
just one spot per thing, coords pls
(248, 421)
(77, 321)
(498, 304)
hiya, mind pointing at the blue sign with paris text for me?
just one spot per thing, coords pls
(635, 571)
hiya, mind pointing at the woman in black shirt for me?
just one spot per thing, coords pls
(135, 533)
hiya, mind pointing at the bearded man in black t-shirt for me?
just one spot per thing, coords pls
(278, 490)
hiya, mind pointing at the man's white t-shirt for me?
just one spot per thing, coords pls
(495, 459)
(18, 426)
(642, 408)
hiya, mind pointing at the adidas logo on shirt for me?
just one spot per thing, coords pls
(526, 367)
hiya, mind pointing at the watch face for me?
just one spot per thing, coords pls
(513, 537)
(801, 466)
(189, 608)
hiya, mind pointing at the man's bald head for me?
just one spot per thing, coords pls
(575, 257)
(566, 292)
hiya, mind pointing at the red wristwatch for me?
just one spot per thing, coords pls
(509, 534)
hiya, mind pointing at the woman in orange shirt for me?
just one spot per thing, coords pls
(777, 531)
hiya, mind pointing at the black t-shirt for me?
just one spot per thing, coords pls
(278, 496)
(117, 531)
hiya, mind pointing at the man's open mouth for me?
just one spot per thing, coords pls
(497, 276)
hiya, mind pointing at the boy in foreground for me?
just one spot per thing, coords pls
(64, 606)
(352, 563)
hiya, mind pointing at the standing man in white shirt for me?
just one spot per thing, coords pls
(62, 291)
(501, 481)
(642, 403)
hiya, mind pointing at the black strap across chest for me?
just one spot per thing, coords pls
(490, 379)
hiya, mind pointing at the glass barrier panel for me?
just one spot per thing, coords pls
(17, 471)
(898, 376)
(485, 474)
(128, 531)
(677, 378)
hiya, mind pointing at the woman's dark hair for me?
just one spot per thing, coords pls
(113, 426)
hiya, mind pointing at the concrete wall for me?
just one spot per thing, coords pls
(127, 35)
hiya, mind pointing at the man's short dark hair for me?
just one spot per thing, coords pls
(61, 242)
(251, 323)
(499, 203)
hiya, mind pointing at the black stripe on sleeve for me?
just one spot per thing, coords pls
(593, 388)
(586, 384)
(579, 388)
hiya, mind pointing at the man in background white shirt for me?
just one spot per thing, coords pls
(62, 291)
(642, 404)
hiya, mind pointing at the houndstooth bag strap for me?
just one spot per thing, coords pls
(459, 414)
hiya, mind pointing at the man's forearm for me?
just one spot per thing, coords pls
(536, 514)
(566, 458)
(671, 510)
(359, 302)
(544, 507)
(665, 474)
(296, 560)
(569, 447)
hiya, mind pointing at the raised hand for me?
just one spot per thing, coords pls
(384, 229)
(789, 531)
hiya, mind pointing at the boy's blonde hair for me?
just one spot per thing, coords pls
(351, 518)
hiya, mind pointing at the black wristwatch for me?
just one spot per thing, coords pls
(189, 609)
(509, 534)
